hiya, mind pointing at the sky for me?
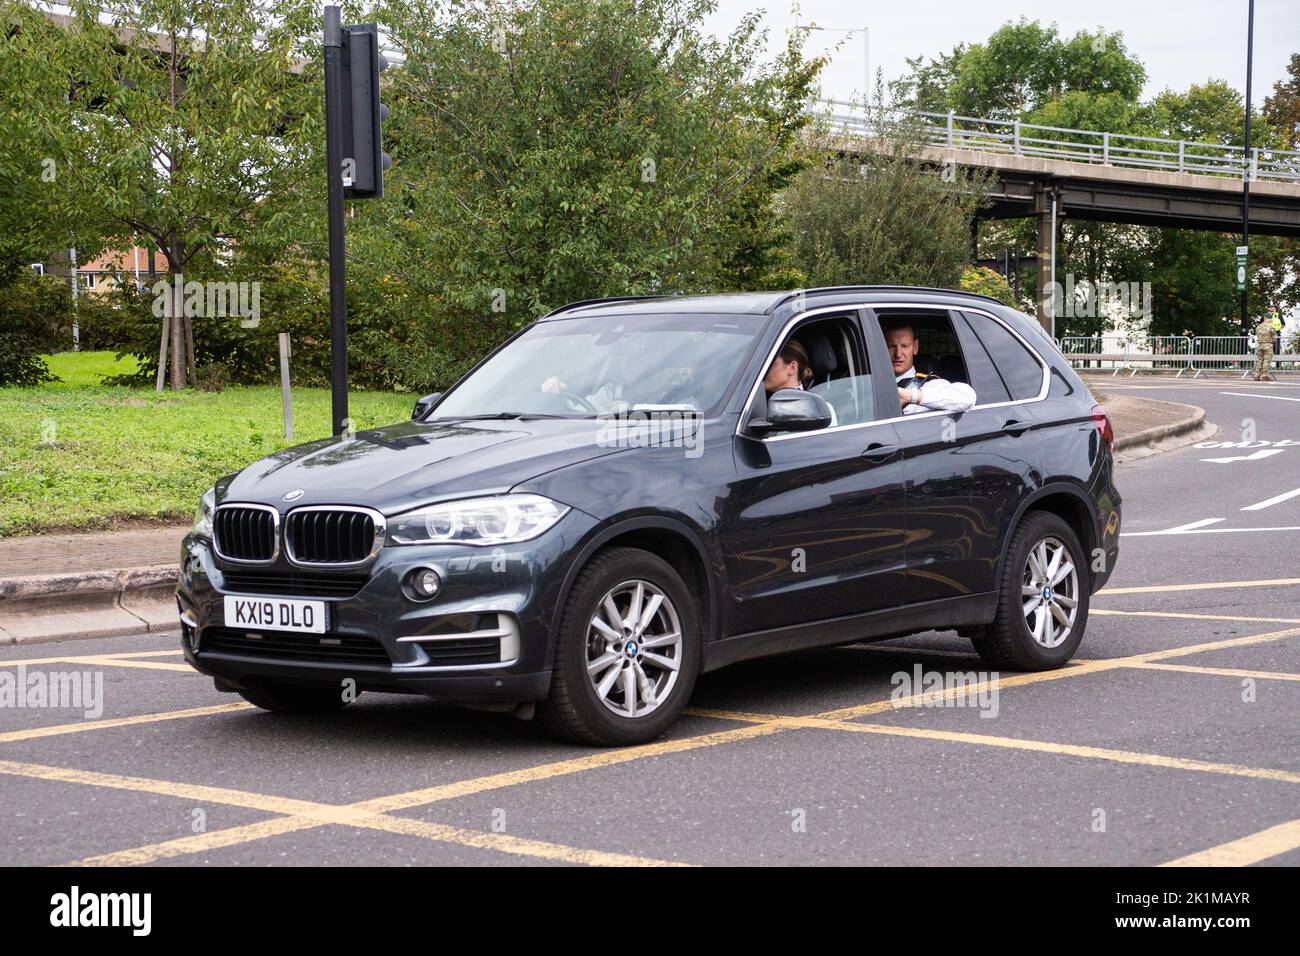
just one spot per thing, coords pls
(1180, 42)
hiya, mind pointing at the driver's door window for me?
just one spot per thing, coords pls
(838, 370)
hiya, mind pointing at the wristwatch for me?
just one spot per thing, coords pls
(915, 394)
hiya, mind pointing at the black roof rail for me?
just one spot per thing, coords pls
(607, 300)
(825, 290)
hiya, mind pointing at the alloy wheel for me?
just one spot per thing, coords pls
(634, 648)
(1050, 592)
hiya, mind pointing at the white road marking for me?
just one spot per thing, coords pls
(1185, 383)
(1144, 534)
(1279, 398)
(1188, 527)
(1275, 500)
(1254, 456)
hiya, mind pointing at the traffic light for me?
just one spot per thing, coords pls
(363, 114)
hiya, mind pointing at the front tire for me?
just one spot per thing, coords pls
(1043, 598)
(627, 653)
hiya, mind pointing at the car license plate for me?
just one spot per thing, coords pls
(276, 614)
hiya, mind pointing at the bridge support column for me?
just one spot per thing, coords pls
(1043, 196)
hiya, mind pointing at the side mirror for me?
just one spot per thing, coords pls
(792, 410)
(424, 405)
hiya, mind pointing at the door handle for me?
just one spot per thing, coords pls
(879, 451)
(1014, 426)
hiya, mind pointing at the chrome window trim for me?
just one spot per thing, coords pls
(275, 534)
(849, 307)
(381, 533)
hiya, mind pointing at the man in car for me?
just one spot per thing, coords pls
(917, 391)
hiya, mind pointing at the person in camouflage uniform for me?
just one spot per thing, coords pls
(1265, 336)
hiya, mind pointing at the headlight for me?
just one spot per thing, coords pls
(503, 519)
(203, 513)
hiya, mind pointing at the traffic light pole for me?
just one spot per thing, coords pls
(337, 266)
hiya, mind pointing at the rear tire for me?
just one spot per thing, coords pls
(622, 677)
(295, 698)
(1042, 598)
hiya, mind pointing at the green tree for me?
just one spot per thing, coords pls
(882, 217)
(554, 150)
(190, 124)
(1282, 108)
(1022, 66)
(1027, 71)
(37, 213)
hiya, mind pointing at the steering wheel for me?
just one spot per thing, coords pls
(578, 403)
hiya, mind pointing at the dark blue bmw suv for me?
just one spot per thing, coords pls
(631, 492)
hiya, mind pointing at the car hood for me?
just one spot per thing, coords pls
(401, 466)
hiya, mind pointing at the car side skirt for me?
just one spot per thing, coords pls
(970, 610)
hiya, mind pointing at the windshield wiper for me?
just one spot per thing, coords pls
(496, 416)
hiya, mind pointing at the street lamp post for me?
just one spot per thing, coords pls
(1246, 171)
(866, 51)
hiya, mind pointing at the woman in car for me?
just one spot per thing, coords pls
(791, 369)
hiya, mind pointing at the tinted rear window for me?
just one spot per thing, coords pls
(1020, 369)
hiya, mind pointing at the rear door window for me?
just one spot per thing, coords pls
(1018, 367)
(984, 376)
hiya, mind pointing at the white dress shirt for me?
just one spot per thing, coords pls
(935, 394)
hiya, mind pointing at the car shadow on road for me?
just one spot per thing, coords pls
(800, 683)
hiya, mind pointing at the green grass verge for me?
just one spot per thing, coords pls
(96, 457)
(79, 369)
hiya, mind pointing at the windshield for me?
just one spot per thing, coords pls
(601, 365)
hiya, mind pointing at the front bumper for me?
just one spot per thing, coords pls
(511, 590)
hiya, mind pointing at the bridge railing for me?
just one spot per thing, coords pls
(1014, 138)
(1170, 353)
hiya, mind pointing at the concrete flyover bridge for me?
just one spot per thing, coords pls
(1087, 174)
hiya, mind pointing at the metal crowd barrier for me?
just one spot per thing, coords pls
(1164, 353)
(1089, 352)
(1224, 353)
(1150, 353)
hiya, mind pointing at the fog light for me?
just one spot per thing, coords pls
(424, 584)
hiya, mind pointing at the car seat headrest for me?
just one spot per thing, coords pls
(822, 355)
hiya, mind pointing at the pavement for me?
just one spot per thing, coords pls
(90, 551)
(1171, 739)
(68, 586)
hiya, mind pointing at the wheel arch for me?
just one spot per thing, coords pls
(666, 538)
(1071, 504)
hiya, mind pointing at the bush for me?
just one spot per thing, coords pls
(34, 315)
(983, 280)
(100, 322)
(881, 218)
